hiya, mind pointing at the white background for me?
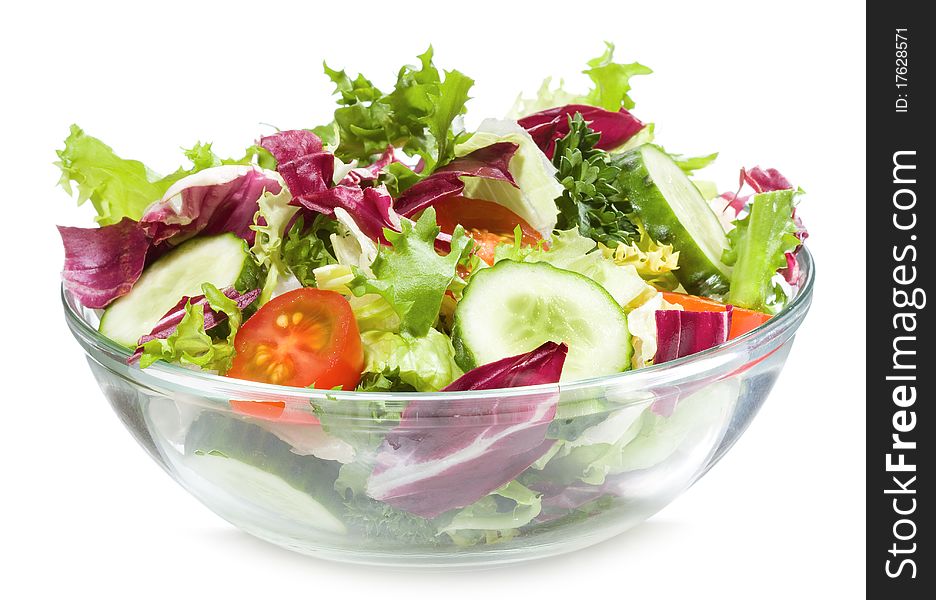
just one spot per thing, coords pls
(85, 511)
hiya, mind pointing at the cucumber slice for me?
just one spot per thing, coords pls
(674, 212)
(255, 465)
(221, 260)
(513, 307)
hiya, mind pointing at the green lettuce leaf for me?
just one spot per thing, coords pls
(426, 363)
(371, 311)
(411, 276)
(119, 187)
(610, 87)
(116, 187)
(361, 423)
(377, 520)
(758, 246)
(637, 437)
(308, 248)
(691, 164)
(611, 80)
(654, 262)
(495, 517)
(451, 100)
(416, 116)
(189, 344)
(275, 212)
(385, 382)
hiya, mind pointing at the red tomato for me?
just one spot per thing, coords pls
(301, 338)
(742, 319)
(487, 223)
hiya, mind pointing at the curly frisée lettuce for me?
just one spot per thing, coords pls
(119, 187)
(654, 262)
(411, 276)
(610, 87)
(417, 116)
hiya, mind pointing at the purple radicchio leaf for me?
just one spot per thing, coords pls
(103, 263)
(308, 172)
(769, 180)
(212, 201)
(371, 208)
(547, 126)
(490, 162)
(301, 161)
(681, 333)
(448, 454)
(291, 144)
(765, 180)
(760, 180)
(168, 323)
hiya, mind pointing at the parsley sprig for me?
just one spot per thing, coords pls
(593, 201)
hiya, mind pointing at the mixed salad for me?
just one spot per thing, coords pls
(391, 250)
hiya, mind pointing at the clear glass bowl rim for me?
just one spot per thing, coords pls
(683, 369)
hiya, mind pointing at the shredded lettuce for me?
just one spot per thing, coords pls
(426, 363)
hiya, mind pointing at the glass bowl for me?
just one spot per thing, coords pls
(295, 466)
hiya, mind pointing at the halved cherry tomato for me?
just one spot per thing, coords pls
(301, 338)
(487, 223)
(742, 319)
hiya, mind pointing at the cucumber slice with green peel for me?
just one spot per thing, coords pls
(514, 307)
(674, 212)
(221, 260)
(256, 466)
